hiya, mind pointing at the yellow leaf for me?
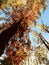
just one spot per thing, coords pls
(35, 34)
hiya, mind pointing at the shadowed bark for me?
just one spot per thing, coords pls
(44, 41)
(7, 34)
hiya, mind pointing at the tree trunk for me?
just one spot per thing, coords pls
(7, 34)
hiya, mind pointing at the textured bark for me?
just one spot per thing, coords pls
(7, 34)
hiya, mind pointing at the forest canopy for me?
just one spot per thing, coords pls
(16, 43)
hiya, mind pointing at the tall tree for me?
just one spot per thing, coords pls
(24, 15)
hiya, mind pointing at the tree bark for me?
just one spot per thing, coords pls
(7, 34)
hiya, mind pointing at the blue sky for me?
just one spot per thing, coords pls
(45, 18)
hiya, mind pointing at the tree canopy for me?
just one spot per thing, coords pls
(15, 40)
